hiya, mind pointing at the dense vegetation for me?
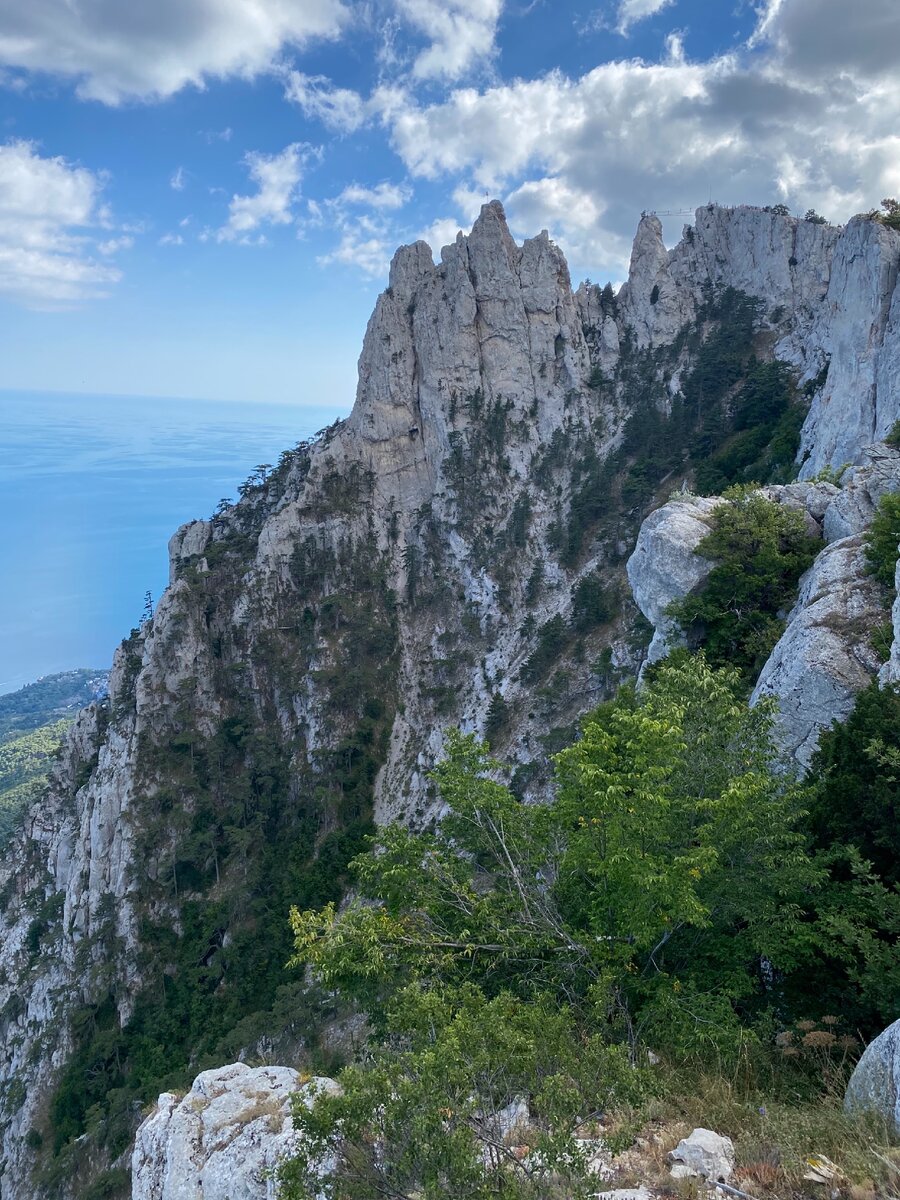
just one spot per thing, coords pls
(48, 699)
(760, 549)
(238, 822)
(33, 721)
(676, 894)
(24, 762)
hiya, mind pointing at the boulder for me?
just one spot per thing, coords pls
(824, 657)
(874, 1086)
(705, 1154)
(665, 566)
(223, 1140)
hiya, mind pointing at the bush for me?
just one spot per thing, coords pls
(760, 549)
(882, 539)
(857, 801)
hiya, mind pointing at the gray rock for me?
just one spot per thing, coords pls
(855, 503)
(224, 1139)
(703, 1154)
(890, 672)
(824, 657)
(875, 1083)
(664, 566)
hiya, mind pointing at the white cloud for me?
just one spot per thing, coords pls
(461, 32)
(365, 251)
(114, 245)
(339, 109)
(278, 177)
(216, 135)
(177, 180)
(440, 233)
(48, 210)
(632, 11)
(584, 156)
(383, 196)
(171, 239)
(147, 51)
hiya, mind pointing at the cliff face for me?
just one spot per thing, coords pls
(452, 554)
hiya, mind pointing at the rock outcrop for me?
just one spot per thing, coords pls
(225, 1138)
(704, 1154)
(825, 655)
(666, 567)
(833, 291)
(874, 1086)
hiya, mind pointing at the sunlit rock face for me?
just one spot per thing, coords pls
(225, 1139)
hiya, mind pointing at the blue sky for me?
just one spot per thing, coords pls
(201, 197)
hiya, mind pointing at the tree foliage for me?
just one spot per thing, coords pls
(670, 894)
(760, 549)
(883, 539)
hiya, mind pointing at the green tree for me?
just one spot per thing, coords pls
(883, 538)
(760, 549)
(857, 800)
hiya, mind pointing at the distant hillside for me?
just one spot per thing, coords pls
(49, 699)
(33, 722)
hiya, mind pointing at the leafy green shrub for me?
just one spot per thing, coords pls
(427, 1115)
(857, 801)
(760, 549)
(892, 437)
(882, 539)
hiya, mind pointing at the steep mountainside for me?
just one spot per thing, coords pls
(452, 554)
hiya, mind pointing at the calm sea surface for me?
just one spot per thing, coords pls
(91, 488)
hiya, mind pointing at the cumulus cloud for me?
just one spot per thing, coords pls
(440, 233)
(115, 244)
(127, 50)
(341, 110)
(584, 156)
(363, 217)
(278, 178)
(366, 250)
(171, 239)
(461, 33)
(50, 211)
(824, 37)
(384, 195)
(632, 11)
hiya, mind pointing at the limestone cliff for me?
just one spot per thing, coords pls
(452, 554)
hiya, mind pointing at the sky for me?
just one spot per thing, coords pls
(201, 197)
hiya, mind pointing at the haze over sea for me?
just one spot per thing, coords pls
(91, 489)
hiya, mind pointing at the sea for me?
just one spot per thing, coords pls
(91, 489)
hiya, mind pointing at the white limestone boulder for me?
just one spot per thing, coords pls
(890, 672)
(704, 1154)
(224, 1139)
(665, 567)
(874, 1086)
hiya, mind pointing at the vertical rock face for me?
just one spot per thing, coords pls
(454, 549)
(834, 292)
(825, 656)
